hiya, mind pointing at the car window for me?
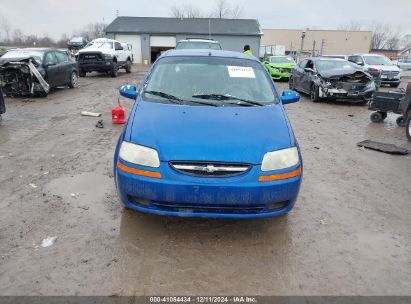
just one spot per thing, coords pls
(185, 77)
(118, 46)
(325, 65)
(185, 45)
(50, 58)
(303, 64)
(61, 57)
(281, 59)
(377, 60)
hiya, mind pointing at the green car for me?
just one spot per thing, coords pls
(279, 67)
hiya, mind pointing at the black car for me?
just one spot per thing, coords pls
(330, 78)
(35, 71)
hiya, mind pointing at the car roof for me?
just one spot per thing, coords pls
(368, 54)
(198, 40)
(208, 52)
(33, 49)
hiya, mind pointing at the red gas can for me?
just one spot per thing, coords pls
(118, 114)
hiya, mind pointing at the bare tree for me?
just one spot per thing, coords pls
(18, 38)
(406, 41)
(384, 36)
(5, 26)
(187, 11)
(223, 9)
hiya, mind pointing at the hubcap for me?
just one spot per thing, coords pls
(74, 79)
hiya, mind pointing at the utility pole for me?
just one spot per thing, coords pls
(322, 46)
(302, 44)
(313, 51)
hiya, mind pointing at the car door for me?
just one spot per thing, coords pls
(65, 67)
(52, 69)
(307, 76)
(119, 51)
(298, 72)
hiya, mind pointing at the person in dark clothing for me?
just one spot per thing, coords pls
(2, 104)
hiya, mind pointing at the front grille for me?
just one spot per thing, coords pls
(209, 208)
(210, 169)
(390, 73)
(90, 57)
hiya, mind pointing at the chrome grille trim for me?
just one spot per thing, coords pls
(210, 168)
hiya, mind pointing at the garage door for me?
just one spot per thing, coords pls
(163, 41)
(135, 41)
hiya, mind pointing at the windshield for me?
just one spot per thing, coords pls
(185, 45)
(100, 44)
(325, 65)
(37, 55)
(213, 80)
(377, 60)
(282, 59)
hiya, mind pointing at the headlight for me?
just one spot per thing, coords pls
(371, 85)
(108, 56)
(280, 159)
(139, 155)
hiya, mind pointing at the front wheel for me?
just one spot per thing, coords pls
(408, 128)
(128, 66)
(314, 93)
(291, 83)
(73, 80)
(114, 72)
(377, 117)
(400, 121)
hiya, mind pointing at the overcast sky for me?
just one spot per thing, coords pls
(55, 17)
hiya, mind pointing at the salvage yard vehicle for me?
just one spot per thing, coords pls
(332, 79)
(279, 67)
(372, 63)
(75, 44)
(104, 55)
(404, 63)
(25, 72)
(208, 136)
(195, 43)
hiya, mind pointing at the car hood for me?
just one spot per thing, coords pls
(93, 50)
(336, 73)
(4, 61)
(385, 67)
(282, 65)
(204, 133)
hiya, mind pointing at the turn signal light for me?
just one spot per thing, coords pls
(136, 171)
(275, 177)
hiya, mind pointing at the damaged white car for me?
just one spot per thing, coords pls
(332, 79)
(33, 72)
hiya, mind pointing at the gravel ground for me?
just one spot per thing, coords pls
(349, 233)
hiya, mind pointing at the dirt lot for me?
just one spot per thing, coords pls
(349, 233)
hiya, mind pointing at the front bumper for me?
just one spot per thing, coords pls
(177, 194)
(279, 75)
(344, 95)
(96, 65)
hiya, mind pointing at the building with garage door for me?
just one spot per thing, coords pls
(150, 36)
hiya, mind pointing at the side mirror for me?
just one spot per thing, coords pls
(128, 91)
(289, 96)
(359, 63)
(309, 70)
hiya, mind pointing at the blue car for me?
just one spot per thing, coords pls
(208, 136)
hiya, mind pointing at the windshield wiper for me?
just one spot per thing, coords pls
(222, 97)
(170, 97)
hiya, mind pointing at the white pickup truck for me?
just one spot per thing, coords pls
(105, 55)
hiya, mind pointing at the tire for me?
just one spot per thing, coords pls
(73, 80)
(314, 93)
(81, 73)
(377, 117)
(291, 83)
(408, 128)
(394, 85)
(400, 121)
(128, 66)
(114, 72)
